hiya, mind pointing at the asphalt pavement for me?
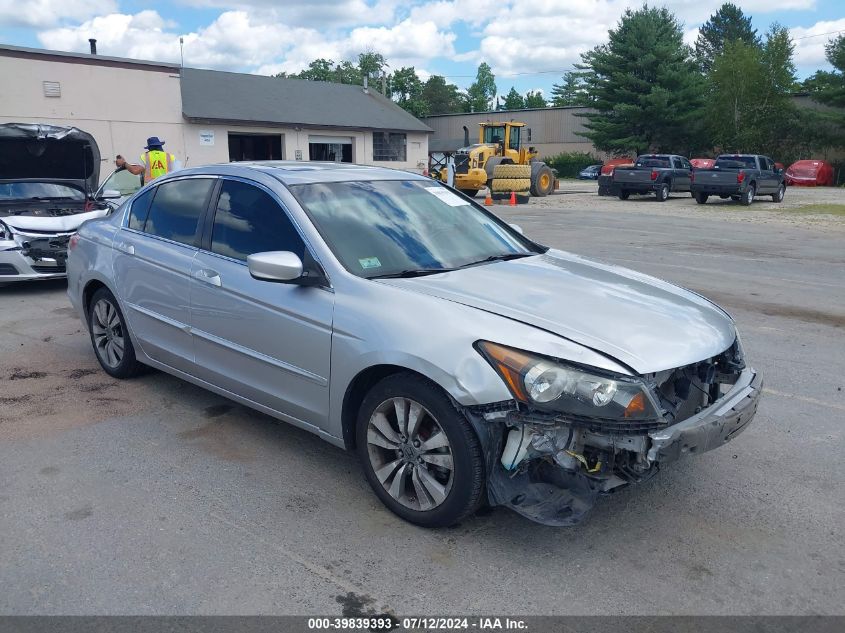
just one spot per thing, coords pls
(152, 496)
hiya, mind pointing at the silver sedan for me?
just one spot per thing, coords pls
(390, 315)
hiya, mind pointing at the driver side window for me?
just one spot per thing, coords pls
(248, 220)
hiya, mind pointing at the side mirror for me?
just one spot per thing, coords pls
(517, 228)
(282, 266)
(111, 194)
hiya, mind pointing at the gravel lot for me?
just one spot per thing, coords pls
(152, 496)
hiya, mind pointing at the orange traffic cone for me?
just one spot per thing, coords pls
(488, 201)
(513, 199)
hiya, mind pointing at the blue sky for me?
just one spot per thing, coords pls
(529, 43)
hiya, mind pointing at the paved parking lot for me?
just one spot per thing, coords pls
(154, 496)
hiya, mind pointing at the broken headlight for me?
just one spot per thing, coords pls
(554, 385)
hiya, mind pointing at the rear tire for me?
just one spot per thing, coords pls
(662, 194)
(542, 180)
(511, 170)
(110, 336)
(623, 195)
(748, 197)
(701, 198)
(778, 195)
(426, 478)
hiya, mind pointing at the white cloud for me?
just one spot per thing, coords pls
(318, 14)
(41, 13)
(810, 41)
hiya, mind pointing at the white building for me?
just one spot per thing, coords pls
(206, 116)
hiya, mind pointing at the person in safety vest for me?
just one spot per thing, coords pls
(155, 161)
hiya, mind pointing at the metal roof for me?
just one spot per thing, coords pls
(7, 50)
(293, 172)
(211, 95)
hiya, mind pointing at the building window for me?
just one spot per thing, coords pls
(389, 146)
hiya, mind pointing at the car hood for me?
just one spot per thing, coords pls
(646, 323)
(58, 224)
(30, 151)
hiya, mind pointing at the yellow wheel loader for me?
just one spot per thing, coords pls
(500, 156)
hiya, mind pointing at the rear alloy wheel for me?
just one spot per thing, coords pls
(420, 454)
(110, 337)
(778, 195)
(662, 194)
(700, 198)
(748, 197)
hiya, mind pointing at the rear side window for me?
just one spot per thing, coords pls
(248, 220)
(177, 207)
(139, 210)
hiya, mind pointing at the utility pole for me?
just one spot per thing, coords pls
(182, 51)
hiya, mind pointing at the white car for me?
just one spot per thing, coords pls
(48, 176)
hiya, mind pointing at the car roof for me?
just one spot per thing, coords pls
(293, 172)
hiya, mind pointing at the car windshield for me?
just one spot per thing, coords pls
(123, 181)
(406, 227)
(38, 191)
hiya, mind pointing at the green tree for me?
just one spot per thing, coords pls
(728, 24)
(829, 124)
(535, 100)
(513, 100)
(371, 65)
(407, 89)
(571, 91)
(482, 92)
(750, 108)
(441, 97)
(645, 91)
(318, 70)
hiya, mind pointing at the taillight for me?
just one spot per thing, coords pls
(653, 175)
(740, 177)
(73, 241)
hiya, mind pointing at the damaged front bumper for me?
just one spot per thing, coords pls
(553, 473)
(33, 256)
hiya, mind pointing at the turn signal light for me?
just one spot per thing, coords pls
(637, 405)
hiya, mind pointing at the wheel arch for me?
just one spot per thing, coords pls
(361, 384)
(91, 287)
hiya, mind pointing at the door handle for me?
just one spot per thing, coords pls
(211, 277)
(126, 247)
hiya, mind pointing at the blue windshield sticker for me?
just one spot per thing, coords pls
(369, 262)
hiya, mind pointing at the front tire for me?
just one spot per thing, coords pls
(110, 336)
(419, 453)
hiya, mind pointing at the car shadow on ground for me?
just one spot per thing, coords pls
(27, 288)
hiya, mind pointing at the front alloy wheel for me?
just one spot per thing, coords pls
(420, 454)
(410, 454)
(109, 336)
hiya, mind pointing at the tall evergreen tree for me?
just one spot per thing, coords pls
(513, 100)
(535, 100)
(645, 91)
(828, 88)
(441, 97)
(728, 24)
(571, 91)
(481, 93)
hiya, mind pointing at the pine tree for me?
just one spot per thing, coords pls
(645, 92)
(571, 91)
(728, 24)
(513, 100)
(535, 100)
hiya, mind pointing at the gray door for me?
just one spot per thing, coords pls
(266, 341)
(152, 267)
(682, 174)
(768, 176)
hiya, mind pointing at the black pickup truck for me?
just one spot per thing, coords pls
(653, 173)
(739, 177)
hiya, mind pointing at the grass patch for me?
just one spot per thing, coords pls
(829, 209)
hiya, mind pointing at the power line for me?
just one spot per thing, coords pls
(804, 37)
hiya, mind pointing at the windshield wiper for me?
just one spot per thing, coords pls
(412, 272)
(499, 258)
